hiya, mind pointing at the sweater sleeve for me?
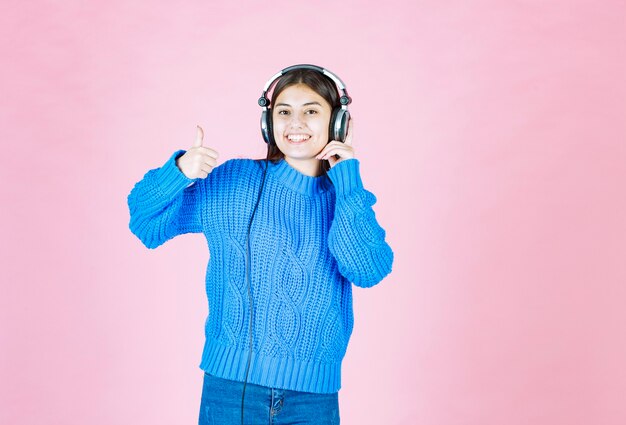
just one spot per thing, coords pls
(164, 204)
(356, 240)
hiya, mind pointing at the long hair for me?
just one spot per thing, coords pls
(317, 82)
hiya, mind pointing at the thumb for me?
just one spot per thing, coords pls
(199, 137)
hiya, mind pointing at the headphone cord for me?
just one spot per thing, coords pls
(243, 394)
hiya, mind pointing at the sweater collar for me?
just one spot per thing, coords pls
(297, 181)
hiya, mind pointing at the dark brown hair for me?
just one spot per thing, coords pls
(317, 82)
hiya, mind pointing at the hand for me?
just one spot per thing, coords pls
(336, 151)
(198, 161)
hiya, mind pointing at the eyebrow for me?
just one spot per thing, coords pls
(306, 104)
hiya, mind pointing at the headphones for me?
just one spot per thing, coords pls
(338, 119)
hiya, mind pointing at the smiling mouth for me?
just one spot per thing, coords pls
(298, 138)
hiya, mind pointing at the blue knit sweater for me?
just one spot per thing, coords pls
(311, 239)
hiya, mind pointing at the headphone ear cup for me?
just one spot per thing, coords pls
(339, 124)
(270, 128)
(331, 125)
(266, 126)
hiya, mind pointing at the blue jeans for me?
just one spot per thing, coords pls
(221, 404)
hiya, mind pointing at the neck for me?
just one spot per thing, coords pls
(308, 167)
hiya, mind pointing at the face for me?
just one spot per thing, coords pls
(300, 120)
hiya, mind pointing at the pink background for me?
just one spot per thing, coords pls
(492, 133)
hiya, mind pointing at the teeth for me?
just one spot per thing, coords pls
(298, 137)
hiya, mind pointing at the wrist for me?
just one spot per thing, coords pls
(346, 176)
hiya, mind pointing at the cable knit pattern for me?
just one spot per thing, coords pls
(311, 239)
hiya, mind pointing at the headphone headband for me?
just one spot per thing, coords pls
(344, 100)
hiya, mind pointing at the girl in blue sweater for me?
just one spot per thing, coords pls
(288, 236)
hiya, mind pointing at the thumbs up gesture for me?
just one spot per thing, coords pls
(198, 161)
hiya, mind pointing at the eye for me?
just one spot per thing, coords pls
(311, 111)
(281, 112)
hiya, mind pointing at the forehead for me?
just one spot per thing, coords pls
(299, 94)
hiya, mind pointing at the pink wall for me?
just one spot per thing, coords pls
(493, 134)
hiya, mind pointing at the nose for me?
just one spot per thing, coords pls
(295, 121)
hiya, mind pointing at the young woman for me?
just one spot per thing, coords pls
(288, 236)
